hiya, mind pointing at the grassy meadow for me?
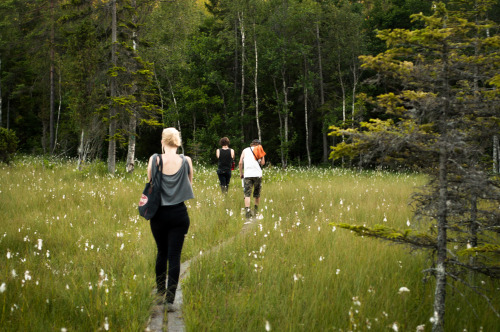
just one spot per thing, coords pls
(75, 255)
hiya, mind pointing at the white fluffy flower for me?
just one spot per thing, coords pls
(403, 290)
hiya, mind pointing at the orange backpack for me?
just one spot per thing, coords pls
(258, 152)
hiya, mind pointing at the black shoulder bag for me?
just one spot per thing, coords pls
(151, 195)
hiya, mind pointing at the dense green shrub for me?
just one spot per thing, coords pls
(8, 144)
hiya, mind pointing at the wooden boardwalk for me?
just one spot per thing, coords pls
(175, 321)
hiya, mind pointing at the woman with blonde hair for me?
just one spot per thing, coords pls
(171, 222)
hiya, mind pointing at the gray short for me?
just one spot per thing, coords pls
(256, 183)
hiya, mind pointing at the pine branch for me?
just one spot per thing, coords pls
(408, 237)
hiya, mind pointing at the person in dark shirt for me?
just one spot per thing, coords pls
(225, 155)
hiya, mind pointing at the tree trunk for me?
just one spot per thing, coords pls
(130, 165)
(131, 143)
(281, 121)
(236, 57)
(256, 84)
(322, 97)
(354, 85)
(161, 96)
(496, 155)
(440, 291)
(473, 227)
(242, 91)
(81, 156)
(306, 96)
(52, 85)
(285, 120)
(343, 104)
(0, 92)
(176, 113)
(442, 223)
(114, 94)
(58, 113)
(8, 113)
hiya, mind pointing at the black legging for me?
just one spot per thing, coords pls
(169, 226)
(224, 178)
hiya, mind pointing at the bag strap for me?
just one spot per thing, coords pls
(158, 170)
(258, 163)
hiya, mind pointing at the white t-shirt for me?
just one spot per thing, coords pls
(251, 168)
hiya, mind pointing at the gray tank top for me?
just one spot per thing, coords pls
(176, 188)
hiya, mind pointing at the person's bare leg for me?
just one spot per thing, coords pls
(256, 207)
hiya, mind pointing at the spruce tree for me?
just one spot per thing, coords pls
(444, 99)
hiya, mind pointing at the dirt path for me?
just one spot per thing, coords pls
(175, 321)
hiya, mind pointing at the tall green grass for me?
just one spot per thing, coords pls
(75, 255)
(296, 272)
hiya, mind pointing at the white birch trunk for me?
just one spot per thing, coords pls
(176, 113)
(256, 85)
(132, 138)
(131, 143)
(285, 114)
(161, 96)
(242, 93)
(354, 86)
(52, 85)
(58, 112)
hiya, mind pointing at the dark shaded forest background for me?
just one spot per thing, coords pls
(409, 84)
(100, 79)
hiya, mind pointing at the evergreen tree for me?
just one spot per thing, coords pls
(448, 71)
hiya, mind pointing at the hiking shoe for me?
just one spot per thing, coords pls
(170, 307)
(248, 214)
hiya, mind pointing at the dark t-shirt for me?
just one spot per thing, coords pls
(225, 160)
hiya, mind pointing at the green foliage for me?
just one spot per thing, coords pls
(408, 237)
(438, 78)
(8, 144)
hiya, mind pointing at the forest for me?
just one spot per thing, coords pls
(402, 85)
(98, 79)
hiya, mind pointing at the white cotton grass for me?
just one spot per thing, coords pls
(420, 328)
(268, 326)
(403, 290)
(291, 248)
(3, 287)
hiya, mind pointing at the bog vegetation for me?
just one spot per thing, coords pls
(402, 84)
(75, 255)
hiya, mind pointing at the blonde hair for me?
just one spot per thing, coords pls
(171, 137)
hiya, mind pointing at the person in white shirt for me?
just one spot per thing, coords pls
(251, 172)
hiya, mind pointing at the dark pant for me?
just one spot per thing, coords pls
(224, 178)
(169, 226)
